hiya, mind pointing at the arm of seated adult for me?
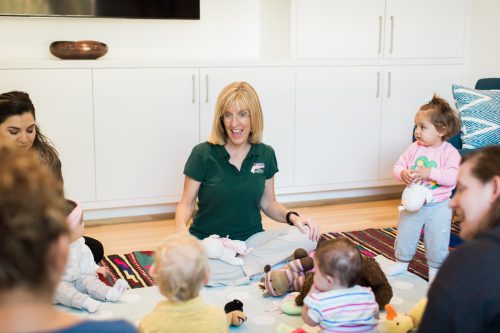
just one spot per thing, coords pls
(273, 209)
(185, 208)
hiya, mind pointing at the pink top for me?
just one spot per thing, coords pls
(444, 161)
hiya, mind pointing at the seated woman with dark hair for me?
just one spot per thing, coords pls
(19, 130)
(465, 296)
(34, 249)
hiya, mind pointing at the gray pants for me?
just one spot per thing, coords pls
(269, 247)
(435, 218)
(75, 293)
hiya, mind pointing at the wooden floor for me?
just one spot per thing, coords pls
(128, 237)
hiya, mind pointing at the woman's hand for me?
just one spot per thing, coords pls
(307, 226)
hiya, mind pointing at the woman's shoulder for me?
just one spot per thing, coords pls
(263, 148)
(110, 326)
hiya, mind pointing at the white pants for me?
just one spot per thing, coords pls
(269, 247)
(75, 293)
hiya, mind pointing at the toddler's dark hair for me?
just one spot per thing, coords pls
(340, 259)
(443, 116)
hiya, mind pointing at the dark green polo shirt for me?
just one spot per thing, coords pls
(228, 199)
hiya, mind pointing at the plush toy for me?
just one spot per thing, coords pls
(289, 278)
(225, 249)
(234, 313)
(414, 197)
(398, 323)
(371, 276)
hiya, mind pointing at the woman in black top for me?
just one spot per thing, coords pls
(465, 295)
(18, 129)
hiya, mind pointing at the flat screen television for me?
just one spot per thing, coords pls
(154, 9)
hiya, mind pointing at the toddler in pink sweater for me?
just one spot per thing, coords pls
(431, 161)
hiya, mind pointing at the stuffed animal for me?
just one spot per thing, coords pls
(234, 313)
(414, 197)
(225, 249)
(398, 323)
(371, 276)
(289, 278)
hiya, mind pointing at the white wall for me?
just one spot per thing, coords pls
(227, 29)
(484, 46)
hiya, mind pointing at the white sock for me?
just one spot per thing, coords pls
(91, 305)
(397, 268)
(432, 273)
(117, 290)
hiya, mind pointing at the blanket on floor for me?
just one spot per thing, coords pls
(134, 267)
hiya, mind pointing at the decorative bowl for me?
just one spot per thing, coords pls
(83, 49)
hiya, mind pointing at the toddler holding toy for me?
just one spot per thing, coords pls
(334, 301)
(80, 286)
(180, 271)
(431, 161)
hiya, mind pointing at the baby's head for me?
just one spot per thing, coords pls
(337, 264)
(74, 219)
(181, 267)
(435, 122)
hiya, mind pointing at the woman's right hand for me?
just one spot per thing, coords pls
(407, 176)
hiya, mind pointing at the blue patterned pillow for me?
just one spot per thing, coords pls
(479, 112)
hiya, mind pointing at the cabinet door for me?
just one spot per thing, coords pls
(146, 123)
(339, 28)
(425, 28)
(408, 89)
(276, 90)
(63, 104)
(337, 125)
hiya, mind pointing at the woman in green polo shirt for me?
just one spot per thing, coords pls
(232, 176)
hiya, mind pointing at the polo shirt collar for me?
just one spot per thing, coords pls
(223, 153)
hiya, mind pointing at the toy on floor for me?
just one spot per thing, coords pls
(414, 197)
(371, 276)
(289, 278)
(399, 323)
(225, 249)
(234, 313)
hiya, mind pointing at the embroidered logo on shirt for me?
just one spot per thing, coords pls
(257, 168)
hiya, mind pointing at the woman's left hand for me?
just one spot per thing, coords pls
(307, 226)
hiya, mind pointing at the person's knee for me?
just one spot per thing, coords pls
(301, 239)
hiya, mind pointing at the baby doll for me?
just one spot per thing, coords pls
(80, 286)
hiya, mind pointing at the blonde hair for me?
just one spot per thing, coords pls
(244, 95)
(181, 267)
(32, 218)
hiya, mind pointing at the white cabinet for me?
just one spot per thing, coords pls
(146, 123)
(276, 89)
(406, 88)
(63, 106)
(339, 28)
(337, 124)
(353, 29)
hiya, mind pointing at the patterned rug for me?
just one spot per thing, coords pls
(134, 267)
(373, 242)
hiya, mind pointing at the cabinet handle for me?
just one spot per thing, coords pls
(388, 84)
(379, 34)
(193, 100)
(206, 88)
(378, 85)
(392, 34)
